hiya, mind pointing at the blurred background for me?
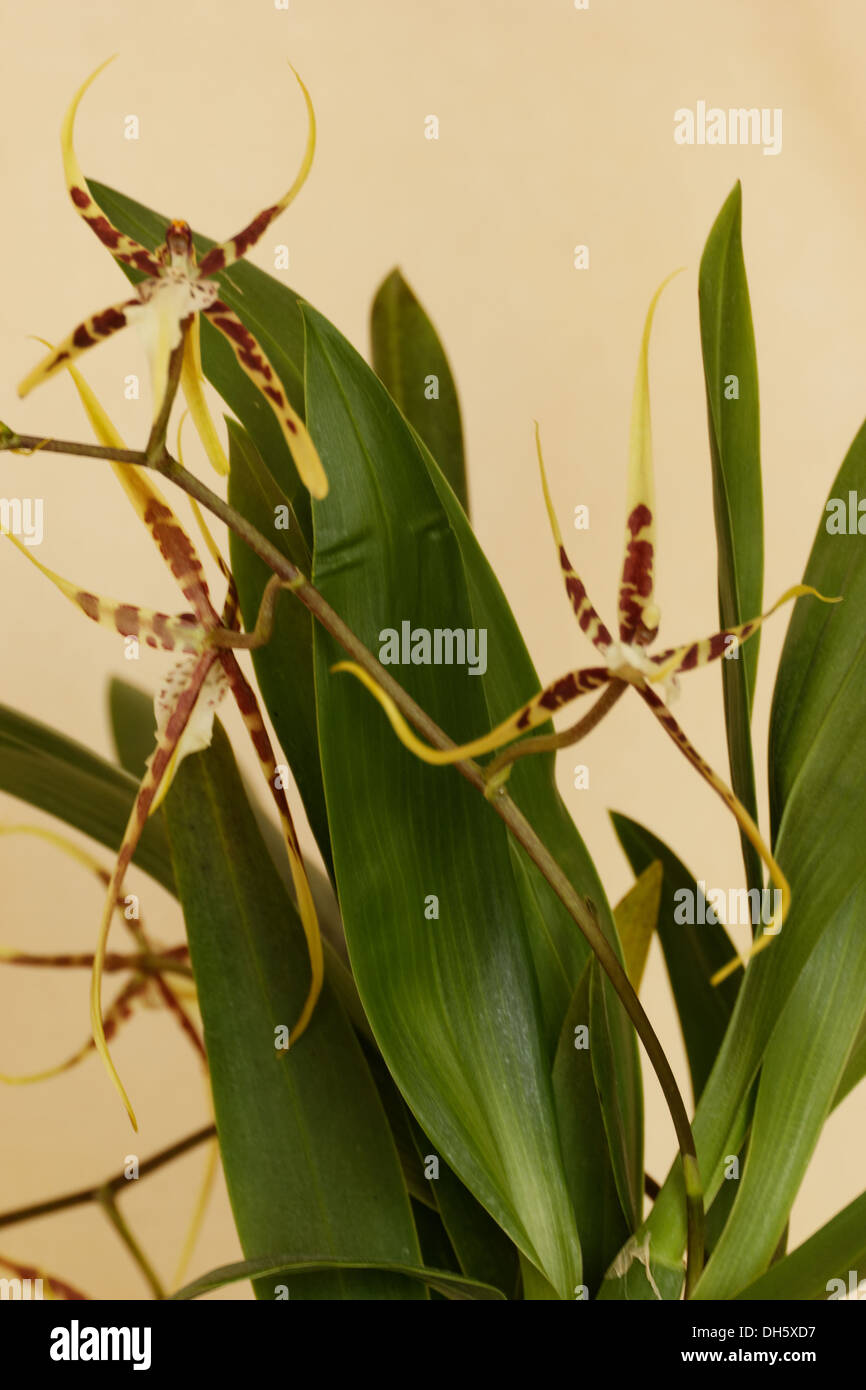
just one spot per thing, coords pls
(555, 129)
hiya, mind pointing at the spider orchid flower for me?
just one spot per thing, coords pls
(176, 290)
(623, 662)
(146, 977)
(204, 640)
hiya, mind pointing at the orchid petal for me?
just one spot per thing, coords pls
(252, 359)
(198, 733)
(190, 382)
(536, 711)
(151, 507)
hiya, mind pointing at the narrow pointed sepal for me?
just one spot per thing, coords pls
(145, 496)
(151, 507)
(88, 333)
(118, 1013)
(125, 248)
(158, 766)
(536, 711)
(170, 633)
(725, 643)
(738, 810)
(638, 614)
(225, 254)
(252, 359)
(587, 616)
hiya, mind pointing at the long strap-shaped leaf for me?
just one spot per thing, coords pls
(443, 1280)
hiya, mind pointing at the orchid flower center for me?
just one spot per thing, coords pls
(629, 662)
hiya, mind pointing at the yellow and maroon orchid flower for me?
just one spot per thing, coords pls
(146, 974)
(625, 661)
(186, 704)
(178, 290)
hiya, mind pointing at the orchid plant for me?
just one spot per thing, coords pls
(626, 662)
(436, 1122)
(165, 311)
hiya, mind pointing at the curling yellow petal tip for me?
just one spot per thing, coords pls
(771, 931)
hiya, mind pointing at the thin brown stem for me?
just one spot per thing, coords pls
(30, 443)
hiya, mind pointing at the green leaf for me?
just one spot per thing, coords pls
(799, 1076)
(51, 771)
(268, 308)
(560, 953)
(437, 1252)
(619, 1121)
(636, 916)
(728, 344)
(308, 1157)
(831, 1253)
(452, 1285)
(133, 725)
(284, 666)
(482, 1248)
(692, 953)
(820, 672)
(452, 1001)
(592, 1183)
(406, 354)
(536, 1289)
(815, 977)
(818, 801)
(855, 1067)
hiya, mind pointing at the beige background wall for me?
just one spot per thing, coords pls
(556, 128)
